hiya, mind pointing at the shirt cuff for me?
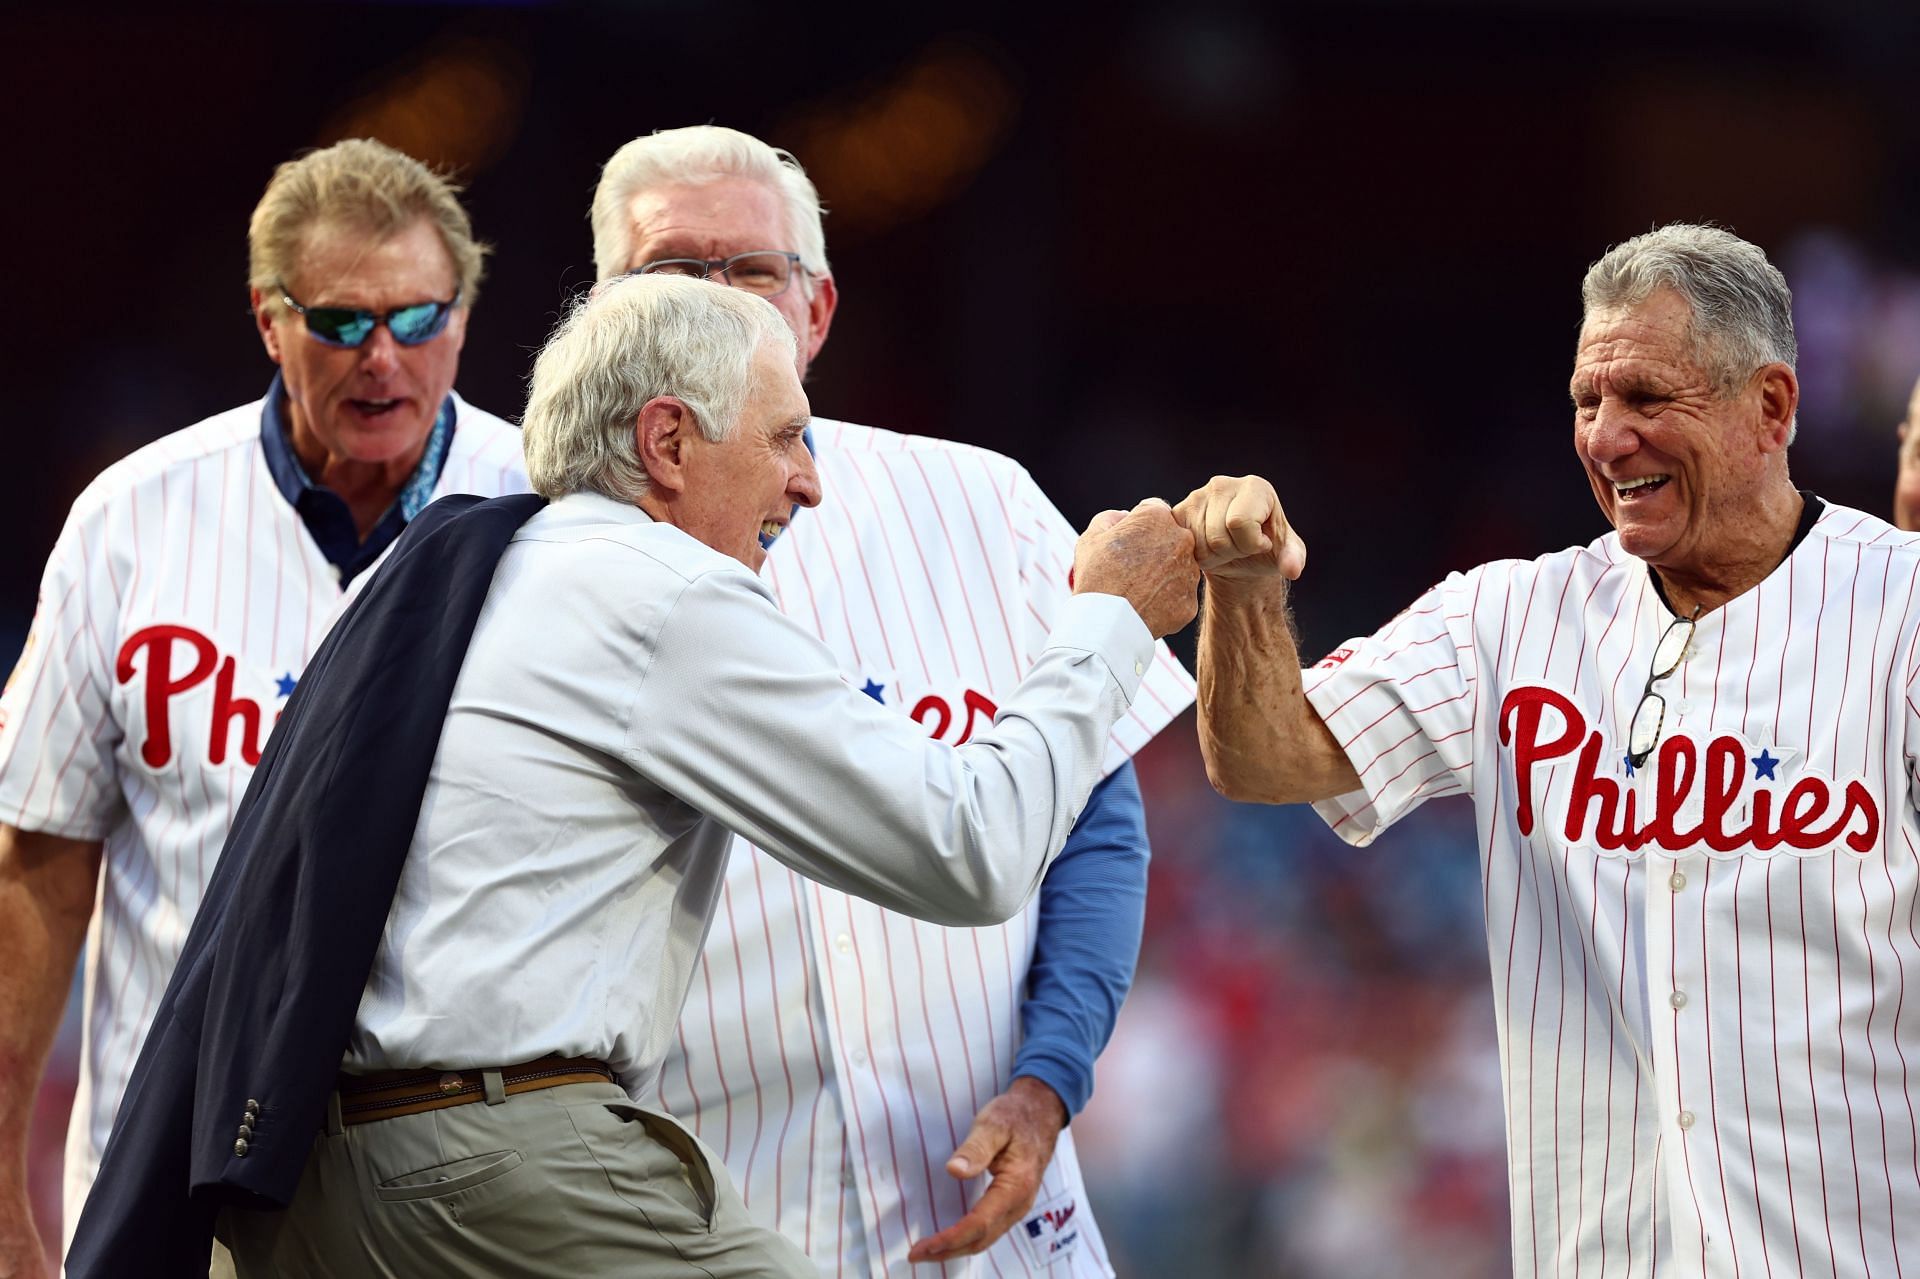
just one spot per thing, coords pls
(1066, 1080)
(1107, 627)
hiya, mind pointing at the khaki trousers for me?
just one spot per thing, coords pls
(574, 1180)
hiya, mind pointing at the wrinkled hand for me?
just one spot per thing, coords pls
(1146, 558)
(22, 1254)
(1013, 1138)
(1239, 530)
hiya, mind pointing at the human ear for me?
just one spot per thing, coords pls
(1779, 400)
(263, 320)
(661, 438)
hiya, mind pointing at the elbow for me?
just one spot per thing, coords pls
(1235, 780)
(999, 902)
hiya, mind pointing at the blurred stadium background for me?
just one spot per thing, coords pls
(1336, 243)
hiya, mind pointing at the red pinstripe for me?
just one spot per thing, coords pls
(913, 1097)
(886, 543)
(853, 1095)
(813, 1039)
(966, 500)
(893, 1147)
(1633, 1166)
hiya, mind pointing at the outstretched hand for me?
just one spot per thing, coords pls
(1013, 1138)
(1240, 531)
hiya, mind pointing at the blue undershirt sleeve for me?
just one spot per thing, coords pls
(1092, 904)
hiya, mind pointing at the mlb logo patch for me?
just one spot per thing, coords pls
(1051, 1231)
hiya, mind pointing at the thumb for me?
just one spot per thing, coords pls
(1293, 556)
(984, 1141)
(1105, 520)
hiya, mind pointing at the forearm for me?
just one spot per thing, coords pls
(1261, 739)
(1092, 907)
(46, 898)
(868, 803)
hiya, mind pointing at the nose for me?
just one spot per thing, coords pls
(380, 354)
(803, 486)
(1610, 436)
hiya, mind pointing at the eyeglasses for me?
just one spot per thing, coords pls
(1648, 718)
(766, 272)
(343, 326)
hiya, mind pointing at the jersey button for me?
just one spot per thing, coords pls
(844, 944)
(1678, 999)
(859, 1056)
(1676, 881)
(1686, 1120)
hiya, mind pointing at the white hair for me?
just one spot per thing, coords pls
(696, 154)
(1742, 308)
(625, 343)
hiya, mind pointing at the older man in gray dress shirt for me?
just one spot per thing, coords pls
(630, 695)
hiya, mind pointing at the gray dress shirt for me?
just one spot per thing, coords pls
(631, 695)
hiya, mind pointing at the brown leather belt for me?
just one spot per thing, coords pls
(388, 1094)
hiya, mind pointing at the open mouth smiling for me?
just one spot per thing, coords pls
(1634, 490)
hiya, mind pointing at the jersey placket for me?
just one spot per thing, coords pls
(859, 1031)
(1677, 1000)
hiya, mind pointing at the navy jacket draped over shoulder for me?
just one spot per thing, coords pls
(253, 1024)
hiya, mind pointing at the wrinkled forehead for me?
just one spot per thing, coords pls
(776, 387)
(1650, 341)
(341, 260)
(714, 217)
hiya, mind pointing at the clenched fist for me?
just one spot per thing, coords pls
(1240, 531)
(1144, 557)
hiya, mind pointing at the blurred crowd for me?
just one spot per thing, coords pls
(1305, 1079)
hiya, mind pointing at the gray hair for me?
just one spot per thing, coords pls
(1742, 308)
(628, 342)
(696, 154)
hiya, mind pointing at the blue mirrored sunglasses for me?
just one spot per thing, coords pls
(411, 325)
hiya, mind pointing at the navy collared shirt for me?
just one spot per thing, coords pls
(324, 512)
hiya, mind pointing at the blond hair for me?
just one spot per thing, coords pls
(365, 185)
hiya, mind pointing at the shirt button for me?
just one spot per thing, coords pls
(1678, 999)
(844, 944)
(859, 1056)
(1139, 668)
(240, 1147)
(1676, 881)
(1686, 1120)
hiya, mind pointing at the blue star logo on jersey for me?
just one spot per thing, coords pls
(874, 690)
(1763, 765)
(286, 683)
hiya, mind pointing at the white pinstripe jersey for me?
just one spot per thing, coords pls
(833, 1052)
(1700, 970)
(178, 608)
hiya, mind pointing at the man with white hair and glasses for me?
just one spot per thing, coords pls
(1690, 746)
(886, 1090)
(596, 692)
(184, 597)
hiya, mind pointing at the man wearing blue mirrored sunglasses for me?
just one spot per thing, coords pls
(191, 584)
